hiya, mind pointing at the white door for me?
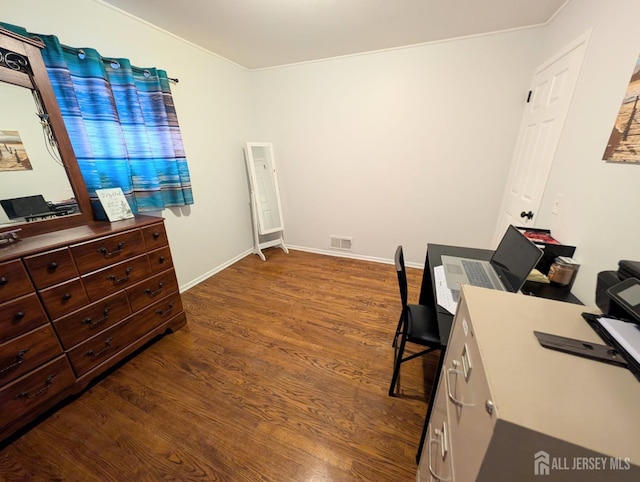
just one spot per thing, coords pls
(542, 123)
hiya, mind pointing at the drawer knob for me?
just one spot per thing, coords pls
(156, 235)
(161, 259)
(47, 385)
(93, 323)
(96, 354)
(17, 363)
(53, 266)
(488, 405)
(3, 281)
(67, 296)
(106, 253)
(151, 293)
(167, 311)
(124, 279)
(19, 315)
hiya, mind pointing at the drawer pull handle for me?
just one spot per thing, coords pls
(443, 450)
(108, 254)
(46, 387)
(161, 259)
(167, 311)
(3, 281)
(124, 279)
(52, 267)
(156, 235)
(19, 315)
(17, 363)
(151, 293)
(67, 296)
(452, 397)
(96, 354)
(92, 324)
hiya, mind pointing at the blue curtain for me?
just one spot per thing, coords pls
(122, 125)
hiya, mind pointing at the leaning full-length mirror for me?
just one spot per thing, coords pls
(41, 188)
(264, 185)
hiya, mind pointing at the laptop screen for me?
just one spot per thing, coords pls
(514, 259)
(21, 207)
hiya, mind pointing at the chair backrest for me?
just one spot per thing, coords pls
(402, 275)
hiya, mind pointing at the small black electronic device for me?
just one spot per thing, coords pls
(626, 295)
(586, 349)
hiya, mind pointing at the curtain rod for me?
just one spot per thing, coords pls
(114, 63)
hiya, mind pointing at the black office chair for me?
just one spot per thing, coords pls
(418, 324)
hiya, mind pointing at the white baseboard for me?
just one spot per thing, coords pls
(214, 271)
(325, 252)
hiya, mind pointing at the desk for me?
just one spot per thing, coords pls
(445, 319)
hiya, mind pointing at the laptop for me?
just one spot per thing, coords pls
(507, 270)
(24, 207)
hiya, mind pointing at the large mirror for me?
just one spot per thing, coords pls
(41, 189)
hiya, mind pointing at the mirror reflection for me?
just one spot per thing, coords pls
(33, 180)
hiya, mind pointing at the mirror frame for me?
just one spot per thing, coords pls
(38, 80)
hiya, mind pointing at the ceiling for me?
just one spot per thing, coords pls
(265, 33)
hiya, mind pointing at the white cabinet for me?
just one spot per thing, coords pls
(508, 409)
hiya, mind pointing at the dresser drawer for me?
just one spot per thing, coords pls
(106, 251)
(152, 289)
(116, 277)
(24, 394)
(51, 268)
(109, 342)
(76, 327)
(14, 280)
(155, 236)
(160, 259)
(64, 298)
(26, 352)
(20, 315)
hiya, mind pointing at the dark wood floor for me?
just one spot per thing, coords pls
(281, 374)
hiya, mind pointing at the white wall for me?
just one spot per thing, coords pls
(213, 108)
(408, 147)
(599, 210)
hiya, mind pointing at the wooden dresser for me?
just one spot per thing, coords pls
(508, 409)
(75, 302)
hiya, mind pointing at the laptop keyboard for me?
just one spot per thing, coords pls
(476, 274)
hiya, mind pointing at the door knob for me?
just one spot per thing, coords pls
(528, 215)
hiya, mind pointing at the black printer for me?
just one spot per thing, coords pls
(607, 279)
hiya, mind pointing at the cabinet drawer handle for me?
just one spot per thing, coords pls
(108, 254)
(156, 235)
(167, 311)
(52, 266)
(442, 441)
(19, 315)
(124, 279)
(46, 387)
(67, 296)
(151, 293)
(161, 260)
(452, 397)
(92, 324)
(96, 354)
(3, 281)
(17, 363)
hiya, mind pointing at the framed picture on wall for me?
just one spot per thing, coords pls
(624, 142)
(13, 155)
